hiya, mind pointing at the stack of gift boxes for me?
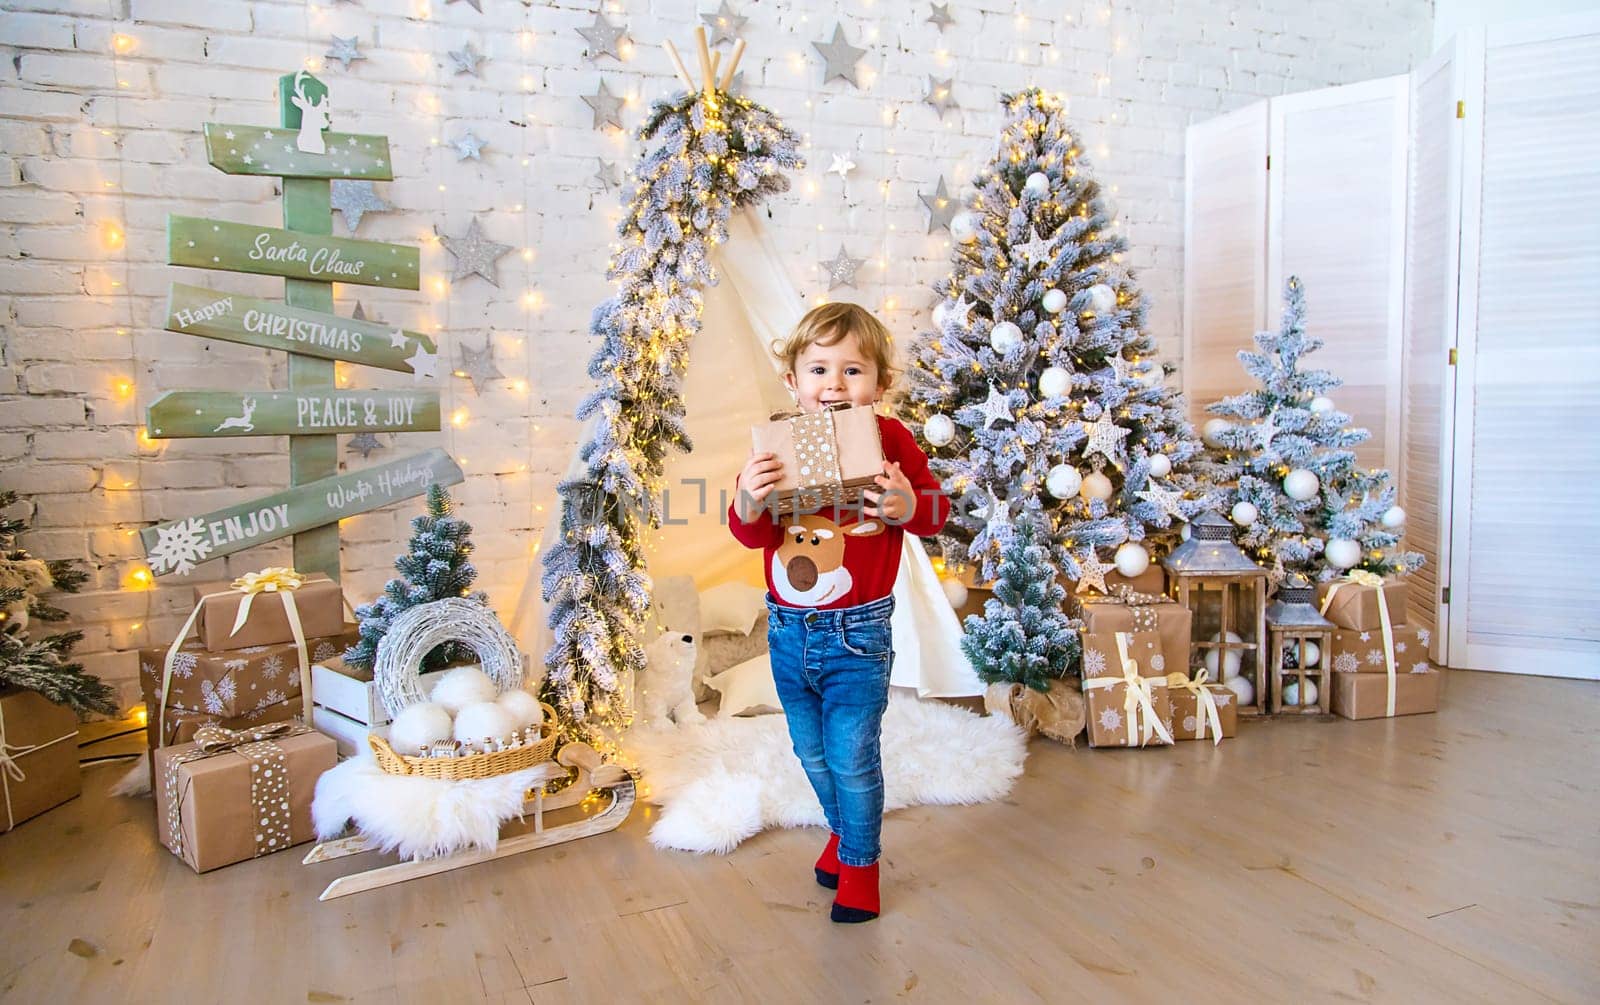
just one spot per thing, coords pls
(234, 762)
(1380, 663)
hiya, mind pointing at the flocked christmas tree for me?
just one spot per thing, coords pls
(435, 566)
(44, 665)
(709, 153)
(1299, 500)
(1039, 390)
(1022, 635)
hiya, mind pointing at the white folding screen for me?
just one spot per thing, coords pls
(1224, 254)
(1524, 562)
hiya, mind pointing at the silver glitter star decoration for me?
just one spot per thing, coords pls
(466, 60)
(842, 166)
(1035, 250)
(994, 510)
(941, 208)
(607, 107)
(960, 310)
(355, 199)
(841, 269)
(1166, 500)
(364, 444)
(468, 146)
(1121, 368)
(724, 24)
(940, 17)
(603, 37)
(1264, 432)
(607, 175)
(1104, 437)
(996, 408)
(1092, 572)
(840, 58)
(477, 365)
(941, 94)
(474, 254)
(344, 50)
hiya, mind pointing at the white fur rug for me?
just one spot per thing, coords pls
(729, 778)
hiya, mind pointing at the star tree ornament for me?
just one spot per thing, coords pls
(841, 269)
(1104, 437)
(604, 38)
(941, 96)
(996, 408)
(941, 207)
(1092, 572)
(475, 254)
(1036, 250)
(468, 146)
(466, 59)
(724, 24)
(345, 50)
(478, 366)
(842, 166)
(606, 106)
(839, 58)
(355, 199)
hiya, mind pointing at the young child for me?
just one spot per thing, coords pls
(830, 576)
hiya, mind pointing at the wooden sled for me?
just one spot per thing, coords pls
(594, 776)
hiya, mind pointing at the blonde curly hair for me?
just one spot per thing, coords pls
(830, 323)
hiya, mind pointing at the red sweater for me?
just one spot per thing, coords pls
(834, 558)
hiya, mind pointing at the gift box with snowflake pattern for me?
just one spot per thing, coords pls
(183, 723)
(1356, 606)
(233, 683)
(1189, 720)
(1366, 696)
(1361, 651)
(1171, 621)
(1108, 708)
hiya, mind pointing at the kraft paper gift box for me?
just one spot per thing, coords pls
(1191, 720)
(828, 458)
(1352, 651)
(40, 766)
(229, 684)
(318, 602)
(1128, 704)
(1355, 604)
(1366, 696)
(1152, 580)
(233, 796)
(183, 723)
(1170, 620)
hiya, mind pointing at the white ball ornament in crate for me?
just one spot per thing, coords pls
(1063, 481)
(1394, 517)
(939, 429)
(1301, 485)
(964, 227)
(1242, 688)
(1005, 337)
(1038, 184)
(1054, 301)
(484, 720)
(1230, 662)
(419, 726)
(463, 686)
(523, 708)
(1321, 405)
(1244, 513)
(955, 591)
(1291, 693)
(1343, 553)
(1313, 653)
(1160, 465)
(1213, 429)
(1102, 298)
(1055, 381)
(1096, 486)
(1132, 559)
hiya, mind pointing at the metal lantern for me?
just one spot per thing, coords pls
(1228, 595)
(1293, 620)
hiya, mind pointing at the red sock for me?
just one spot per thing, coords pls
(827, 868)
(857, 899)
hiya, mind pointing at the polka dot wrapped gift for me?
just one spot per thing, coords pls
(829, 458)
(234, 795)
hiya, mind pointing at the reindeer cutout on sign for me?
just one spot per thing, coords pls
(808, 568)
(240, 421)
(314, 118)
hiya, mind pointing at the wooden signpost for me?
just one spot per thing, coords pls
(312, 411)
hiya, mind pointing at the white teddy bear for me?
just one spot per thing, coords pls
(667, 690)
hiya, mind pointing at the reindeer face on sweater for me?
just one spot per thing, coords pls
(808, 568)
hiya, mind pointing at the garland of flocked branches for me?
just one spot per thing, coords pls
(708, 154)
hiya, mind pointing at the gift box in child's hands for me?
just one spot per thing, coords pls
(828, 458)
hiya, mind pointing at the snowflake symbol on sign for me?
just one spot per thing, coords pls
(179, 546)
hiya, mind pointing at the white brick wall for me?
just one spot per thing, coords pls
(99, 141)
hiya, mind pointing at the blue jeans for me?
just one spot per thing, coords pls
(832, 672)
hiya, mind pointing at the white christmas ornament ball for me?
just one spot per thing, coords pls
(1055, 301)
(1313, 653)
(1213, 429)
(955, 591)
(1063, 481)
(1038, 183)
(1343, 553)
(1291, 693)
(1242, 688)
(1230, 663)
(523, 707)
(463, 686)
(1005, 337)
(485, 720)
(964, 227)
(1321, 404)
(1054, 382)
(1394, 517)
(939, 429)
(1300, 484)
(1102, 298)
(1096, 486)
(1244, 513)
(418, 726)
(1132, 559)
(1160, 465)
(1183, 532)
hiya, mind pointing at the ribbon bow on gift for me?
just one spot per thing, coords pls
(1126, 595)
(274, 580)
(219, 739)
(269, 790)
(1203, 697)
(1361, 577)
(1138, 696)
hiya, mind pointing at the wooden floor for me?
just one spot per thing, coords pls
(1448, 858)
